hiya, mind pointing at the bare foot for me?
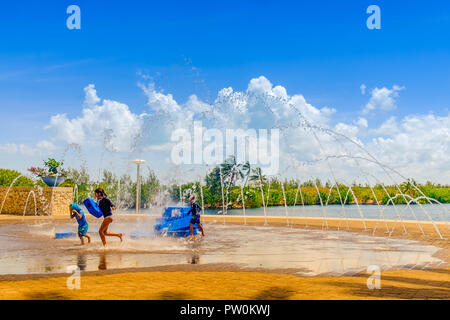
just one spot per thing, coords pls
(120, 237)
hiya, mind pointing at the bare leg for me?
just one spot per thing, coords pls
(201, 228)
(191, 228)
(82, 240)
(88, 237)
(104, 231)
(112, 234)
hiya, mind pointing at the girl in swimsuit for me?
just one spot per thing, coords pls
(106, 207)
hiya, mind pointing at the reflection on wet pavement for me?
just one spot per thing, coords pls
(102, 264)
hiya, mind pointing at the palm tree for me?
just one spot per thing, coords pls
(231, 170)
(230, 173)
(247, 170)
(258, 176)
(408, 187)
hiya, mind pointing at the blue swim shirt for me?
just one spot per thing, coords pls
(82, 221)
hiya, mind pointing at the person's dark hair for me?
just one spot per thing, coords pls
(101, 191)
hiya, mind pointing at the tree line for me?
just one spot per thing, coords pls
(230, 185)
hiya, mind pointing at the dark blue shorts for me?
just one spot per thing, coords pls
(195, 219)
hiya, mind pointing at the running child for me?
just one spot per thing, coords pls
(106, 207)
(195, 209)
(78, 214)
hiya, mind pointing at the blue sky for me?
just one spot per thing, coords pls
(320, 49)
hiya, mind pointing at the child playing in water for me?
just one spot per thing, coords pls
(105, 206)
(77, 213)
(195, 209)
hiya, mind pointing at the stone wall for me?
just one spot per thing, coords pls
(49, 201)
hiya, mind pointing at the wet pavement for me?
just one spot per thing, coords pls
(30, 247)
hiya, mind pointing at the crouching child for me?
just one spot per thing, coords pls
(77, 213)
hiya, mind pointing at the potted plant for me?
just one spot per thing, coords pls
(52, 174)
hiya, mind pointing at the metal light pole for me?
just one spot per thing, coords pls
(138, 183)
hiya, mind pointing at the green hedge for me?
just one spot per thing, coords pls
(7, 176)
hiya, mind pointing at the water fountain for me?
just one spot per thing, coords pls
(26, 203)
(201, 195)
(243, 204)
(303, 202)
(269, 180)
(7, 192)
(306, 124)
(262, 196)
(223, 198)
(75, 193)
(285, 203)
(324, 214)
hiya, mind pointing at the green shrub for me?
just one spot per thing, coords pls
(7, 176)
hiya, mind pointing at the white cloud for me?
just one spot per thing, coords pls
(27, 150)
(161, 147)
(347, 129)
(352, 130)
(382, 99)
(110, 125)
(387, 128)
(157, 101)
(69, 131)
(362, 122)
(417, 145)
(91, 98)
(46, 145)
(42, 147)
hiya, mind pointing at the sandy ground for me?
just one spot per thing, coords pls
(227, 283)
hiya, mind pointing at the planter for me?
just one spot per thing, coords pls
(53, 181)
